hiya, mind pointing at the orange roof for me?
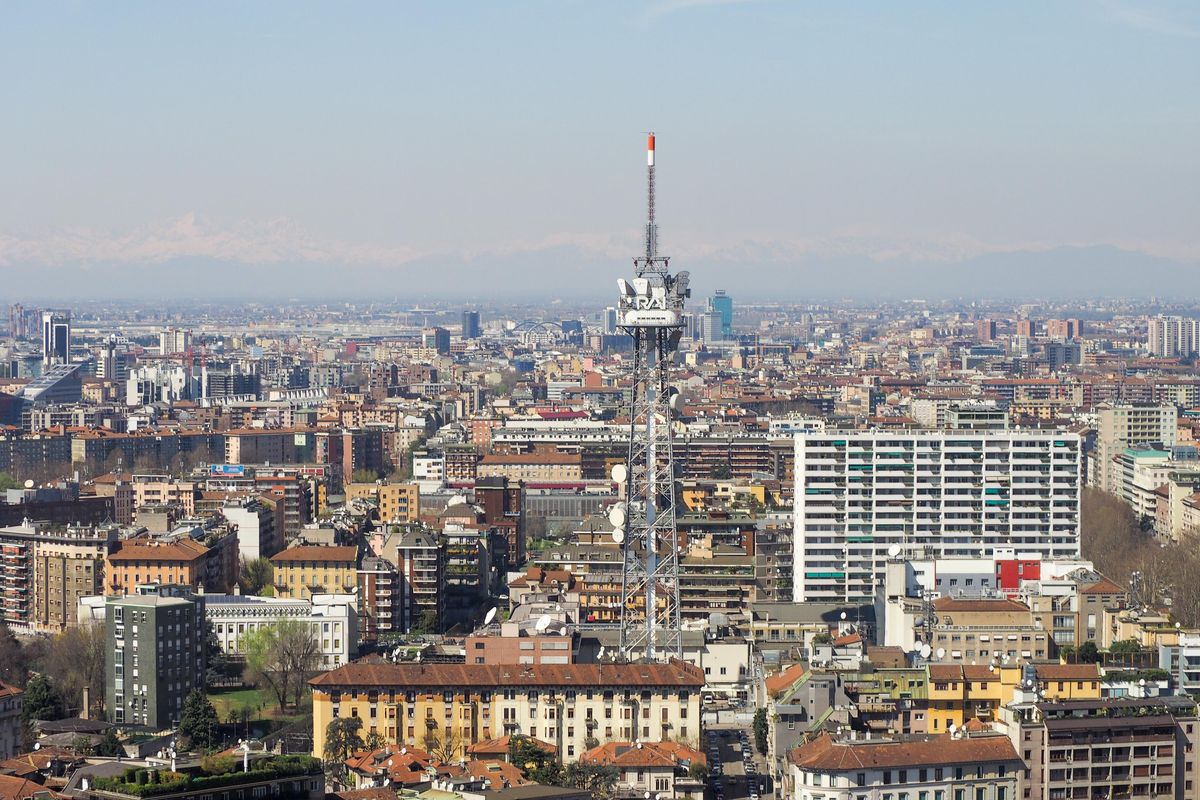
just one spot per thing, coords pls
(182, 550)
(317, 553)
(979, 604)
(500, 746)
(1067, 672)
(781, 680)
(13, 788)
(501, 773)
(643, 754)
(675, 673)
(828, 755)
(1103, 586)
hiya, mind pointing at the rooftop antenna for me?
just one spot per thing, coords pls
(650, 311)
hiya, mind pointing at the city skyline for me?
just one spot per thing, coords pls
(926, 151)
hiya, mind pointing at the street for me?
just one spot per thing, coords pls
(735, 770)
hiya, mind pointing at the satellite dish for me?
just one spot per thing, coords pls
(926, 650)
(403, 750)
(616, 515)
(620, 473)
(600, 654)
(37, 745)
(953, 727)
(842, 615)
(491, 615)
(543, 623)
(29, 484)
(941, 653)
(894, 551)
(618, 536)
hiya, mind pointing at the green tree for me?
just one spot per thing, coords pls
(282, 656)
(8, 482)
(198, 722)
(217, 663)
(364, 476)
(375, 740)
(426, 623)
(109, 745)
(1088, 653)
(529, 756)
(698, 771)
(601, 781)
(343, 736)
(82, 745)
(760, 731)
(14, 660)
(1126, 647)
(42, 700)
(256, 575)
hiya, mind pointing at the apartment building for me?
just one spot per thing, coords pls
(959, 693)
(1123, 426)
(967, 630)
(1173, 337)
(421, 560)
(155, 655)
(936, 494)
(464, 704)
(68, 564)
(397, 502)
(533, 467)
(1111, 748)
(12, 727)
(974, 766)
(134, 563)
(305, 570)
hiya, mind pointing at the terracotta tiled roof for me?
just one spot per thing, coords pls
(645, 754)
(847, 640)
(182, 550)
(316, 553)
(499, 747)
(981, 605)
(13, 788)
(1103, 586)
(9, 691)
(1068, 672)
(781, 680)
(486, 676)
(500, 773)
(826, 755)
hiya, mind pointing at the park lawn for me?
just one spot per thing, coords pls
(261, 701)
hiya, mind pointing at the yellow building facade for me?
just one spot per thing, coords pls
(397, 502)
(453, 706)
(962, 692)
(301, 572)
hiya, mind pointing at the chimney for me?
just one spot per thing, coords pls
(87, 703)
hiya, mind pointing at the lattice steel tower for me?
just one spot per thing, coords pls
(650, 309)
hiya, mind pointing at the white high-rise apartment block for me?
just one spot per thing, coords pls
(930, 494)
(1174, 337)
(1123, 426)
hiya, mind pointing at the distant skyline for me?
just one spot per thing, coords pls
(493, 149)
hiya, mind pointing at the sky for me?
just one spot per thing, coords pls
(485, 149)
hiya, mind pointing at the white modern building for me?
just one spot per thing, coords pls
(1173, 337)
(861, 495)
(333, 619)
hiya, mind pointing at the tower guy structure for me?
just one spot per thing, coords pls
(650, 310)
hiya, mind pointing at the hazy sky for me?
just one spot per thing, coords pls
(451, 141)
